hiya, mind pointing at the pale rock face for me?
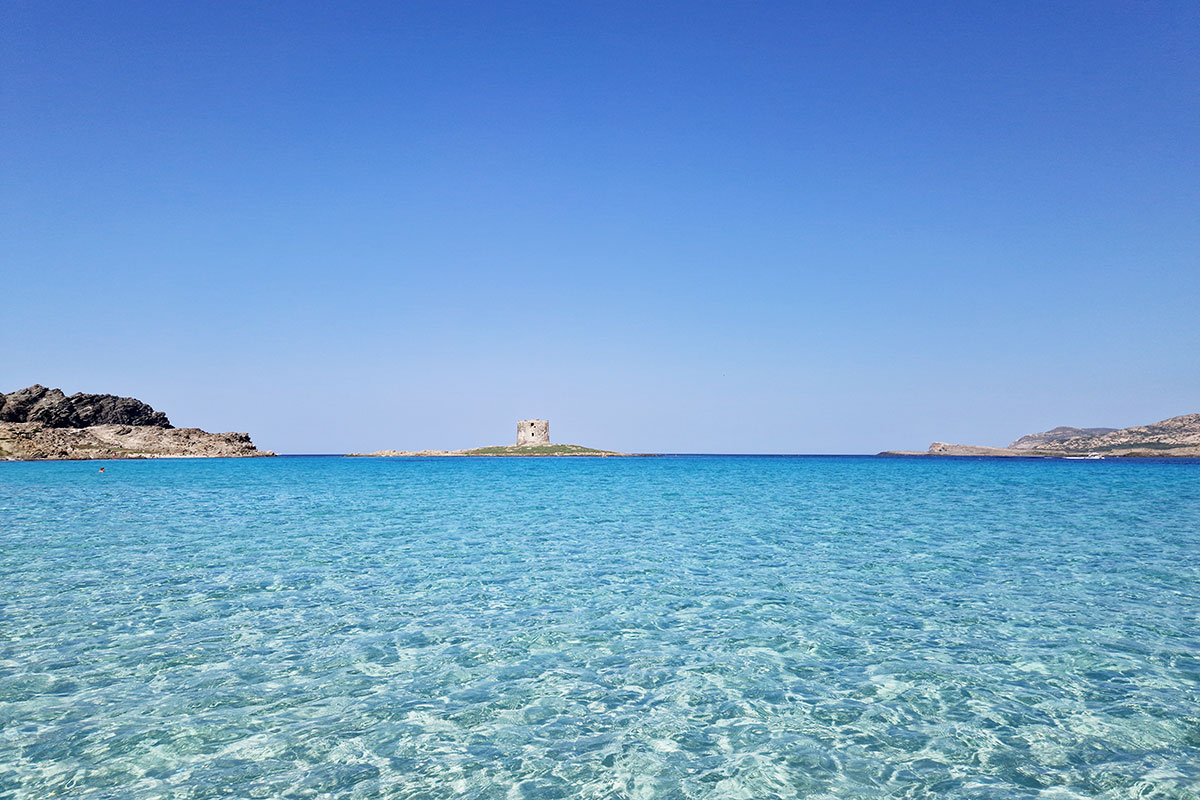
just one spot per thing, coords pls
(533, 431)
(33, 441)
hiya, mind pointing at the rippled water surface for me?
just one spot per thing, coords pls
(702, 627)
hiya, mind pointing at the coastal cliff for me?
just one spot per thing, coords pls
(1177, 437)
(45, 424)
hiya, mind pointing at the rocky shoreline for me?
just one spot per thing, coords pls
(1177, 437)
(40, 424)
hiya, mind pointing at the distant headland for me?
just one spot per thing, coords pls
(45, 424)
(1177, 437)
(533, 439)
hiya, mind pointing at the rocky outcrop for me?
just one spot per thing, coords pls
(1177, 436)
(53, 409)
(39, 423)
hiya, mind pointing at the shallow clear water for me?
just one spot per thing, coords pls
(644, 628)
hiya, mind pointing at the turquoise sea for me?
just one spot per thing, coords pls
(680, 627)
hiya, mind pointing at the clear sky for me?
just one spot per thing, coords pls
(677, 227)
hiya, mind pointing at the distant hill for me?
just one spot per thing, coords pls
(1032, 441)
(1177, 436)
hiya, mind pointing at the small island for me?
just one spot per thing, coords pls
(533, 440)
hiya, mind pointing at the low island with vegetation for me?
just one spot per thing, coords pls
(533, 440)
(522, 450)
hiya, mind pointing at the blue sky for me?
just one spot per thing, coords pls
(678, 227)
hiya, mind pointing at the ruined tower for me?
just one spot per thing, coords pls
(533, 431)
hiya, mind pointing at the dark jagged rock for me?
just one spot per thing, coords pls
(53, 409)
(15, 407)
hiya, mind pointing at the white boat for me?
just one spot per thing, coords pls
(1088, 457)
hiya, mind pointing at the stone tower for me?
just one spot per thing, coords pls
(533, 431)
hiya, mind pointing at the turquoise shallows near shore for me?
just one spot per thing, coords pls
(601, 628)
